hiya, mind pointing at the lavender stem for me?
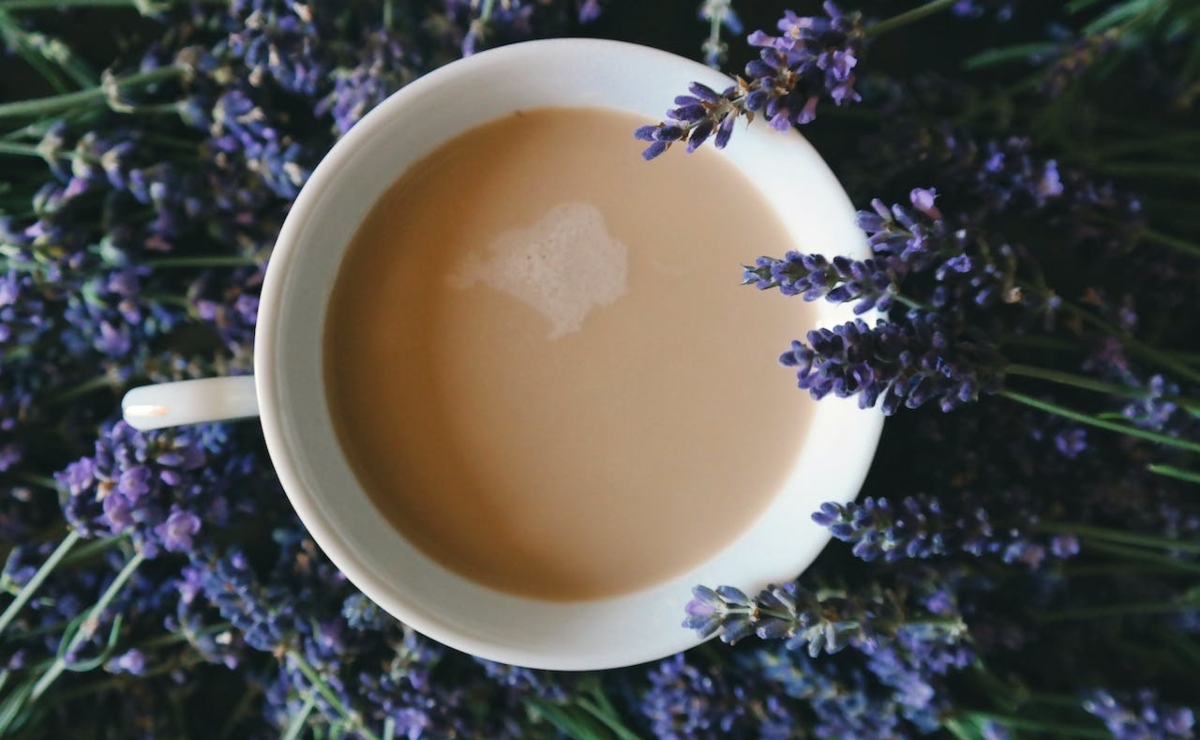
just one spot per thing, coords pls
(30, 588)
(1085, 383)
(89, 624)
(1073, 415)
(59, 103)
(910, 16)
(1171, 471)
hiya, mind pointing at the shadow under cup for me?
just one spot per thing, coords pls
(289, 361)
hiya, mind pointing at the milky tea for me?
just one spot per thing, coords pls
(542, 366)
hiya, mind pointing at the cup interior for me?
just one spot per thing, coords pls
(612, 632)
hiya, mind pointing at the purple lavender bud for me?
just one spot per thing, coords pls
(1064, 546)
(177, 532)
(757, 100)
(731, 595)
(724, 132)
(705, 93)
(654, 150)
(808, 113)
(131, 661)
(589, 11)
(688, 113)
(923, 200)
(134, 482)
(761, 69)
(669, 133)
(1050, 184)
(1071, 442)
(761, 38)
(699, 135)
(845, 93)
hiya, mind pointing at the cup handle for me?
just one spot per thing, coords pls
(190, 402)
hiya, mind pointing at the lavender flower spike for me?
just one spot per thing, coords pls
(905, 363)
(812, 276)
(811, 59)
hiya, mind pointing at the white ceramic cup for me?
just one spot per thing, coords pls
(288, 393)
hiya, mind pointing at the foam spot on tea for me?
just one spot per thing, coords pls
(563, 266)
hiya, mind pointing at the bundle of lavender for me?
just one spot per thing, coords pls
(1023, 560)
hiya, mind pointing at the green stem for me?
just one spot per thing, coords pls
(85, 551)
(215, 261)
(1039, 342)
(84, 388)
(1183, 645)
(1166, 240)
(1163, 143)
(485, 13)
(296, 726)
(1126, 429)
(58, 103)
(1182, 246)
(29, 589)
(37, 480)
(1086, 383)
(1115, 535)
(911, 16)
(906, 301)
(1114, 610)
(142, 6)
(25, 150)
(389, 15)
(46, 54)
(1134, 553)
(604, 714)
(1157, 170)
(85, 631)
(1171, 471)
(176, 638)
(115, 682)
(239, 711)
(1105, 571)
(1163, 358)
(1058, 729)
(334, 700)
(60, 4)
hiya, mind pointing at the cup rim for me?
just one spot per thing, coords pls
(267, 368)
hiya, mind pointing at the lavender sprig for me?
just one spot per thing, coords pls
(812, 276)
(897, 364)
(812, 58)
(924, 527)
(824, 621)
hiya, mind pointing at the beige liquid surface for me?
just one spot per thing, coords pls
(542, 366)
